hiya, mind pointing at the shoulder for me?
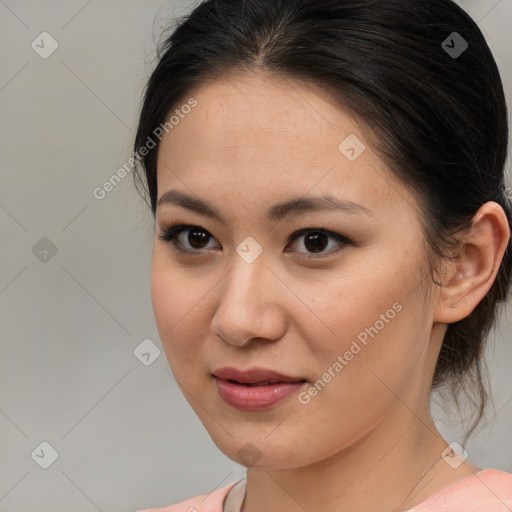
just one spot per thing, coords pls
(212, 502)
(490, 490)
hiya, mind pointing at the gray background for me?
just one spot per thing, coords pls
(125, 436)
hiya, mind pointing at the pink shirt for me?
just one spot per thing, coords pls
(489, 490)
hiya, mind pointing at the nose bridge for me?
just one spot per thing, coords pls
(244, 284)
(248, 270)
(246, 302)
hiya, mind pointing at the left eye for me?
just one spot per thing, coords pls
(314, 239)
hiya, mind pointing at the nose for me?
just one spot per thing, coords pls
(250, 304)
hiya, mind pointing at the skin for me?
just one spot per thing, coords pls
(253, 141)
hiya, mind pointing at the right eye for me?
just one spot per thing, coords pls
(197, 236)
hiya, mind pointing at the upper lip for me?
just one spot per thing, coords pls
(253, 375)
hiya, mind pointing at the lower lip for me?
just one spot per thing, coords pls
(255, 398)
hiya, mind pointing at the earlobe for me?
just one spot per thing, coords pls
(474, 270)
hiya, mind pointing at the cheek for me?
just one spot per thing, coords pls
(348, 307)
(177, 307)
(358, 372)
(364, 326)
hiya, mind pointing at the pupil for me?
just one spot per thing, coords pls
(199, 234)
(317, 240)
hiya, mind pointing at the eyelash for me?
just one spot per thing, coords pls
(171, 234)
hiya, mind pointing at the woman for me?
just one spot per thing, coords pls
(342, 162)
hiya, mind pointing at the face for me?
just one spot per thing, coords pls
(334, 295)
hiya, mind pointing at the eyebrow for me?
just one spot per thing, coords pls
(296, 206)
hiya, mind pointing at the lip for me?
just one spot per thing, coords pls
(254, 398)
(253, 375)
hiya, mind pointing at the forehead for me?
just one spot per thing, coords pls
(255, 135)
(253, 109)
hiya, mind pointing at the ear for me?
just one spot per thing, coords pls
(470, 277)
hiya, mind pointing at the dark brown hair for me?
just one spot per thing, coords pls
(437, 113)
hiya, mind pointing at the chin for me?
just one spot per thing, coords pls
(261, 453)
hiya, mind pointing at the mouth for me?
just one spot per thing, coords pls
(265, 383)
(251, 394)
(255, 376)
